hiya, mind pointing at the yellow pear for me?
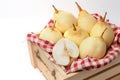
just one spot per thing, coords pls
(76, 34)
(85, 20)
(93, 47)
(50, 34)
(99, 27)
(63, 20)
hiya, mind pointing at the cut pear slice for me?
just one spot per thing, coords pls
(64, 50)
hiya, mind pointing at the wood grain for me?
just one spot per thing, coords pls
(51, 71)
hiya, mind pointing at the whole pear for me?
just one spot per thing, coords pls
(93, 47)
(51, 34)
(76, 34)
(85, 20)
(99, 27)
(63, 20)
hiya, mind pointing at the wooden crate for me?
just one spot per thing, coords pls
(51, 71)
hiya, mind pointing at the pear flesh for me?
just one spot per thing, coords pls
(64, 20)
(77, 36)
(52, 35)
(98, 29)
(64, 50)
(92, 47)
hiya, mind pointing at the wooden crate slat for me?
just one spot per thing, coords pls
(107, 74)
(45, 71)
(114, 77)
(86, 74)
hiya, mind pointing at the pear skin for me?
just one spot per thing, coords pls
(50, 34)
(85, 20)
(93, 47)
(99, 27)
(63, 20)
(76, 35)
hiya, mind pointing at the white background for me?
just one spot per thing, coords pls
(19, 17)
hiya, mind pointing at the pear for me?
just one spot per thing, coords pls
(76, 34)
(93, 47)
(99, 27)
(51, 34)
(63, 20)
(85, 20)
(65, 51)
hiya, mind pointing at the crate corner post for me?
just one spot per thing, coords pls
(31, 53)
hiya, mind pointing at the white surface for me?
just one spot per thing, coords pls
(19, 17)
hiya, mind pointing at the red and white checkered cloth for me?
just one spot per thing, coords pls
(87, 63)
(44, 44)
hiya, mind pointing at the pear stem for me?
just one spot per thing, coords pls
(104, 17)
(103, 32)
(56, 10)
(74, 28)
(79, 8)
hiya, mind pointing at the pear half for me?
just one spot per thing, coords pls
(85, 20)
(63, 20)
(64, 51)
(93, 47)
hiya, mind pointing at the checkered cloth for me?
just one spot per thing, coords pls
(87, 63)
(44, 44)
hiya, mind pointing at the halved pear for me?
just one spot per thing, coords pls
(85, 20)
(76, 34)
(93, 47)
(99, 27)
(51, 34)
(65, 50)
(63, 20)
